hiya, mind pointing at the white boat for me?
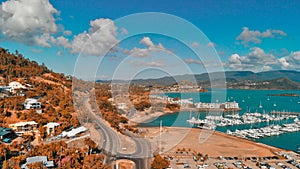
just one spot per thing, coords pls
(192, 120)
(207, 126)
(260, 106)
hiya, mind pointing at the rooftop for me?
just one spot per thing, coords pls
(24, 123)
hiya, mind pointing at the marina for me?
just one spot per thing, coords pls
(275, 111)
(271, 130)
(236, 119)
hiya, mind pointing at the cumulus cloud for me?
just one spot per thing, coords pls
(156, 63)
(193, 61)
(291, 61)
(33, 22)
(28, 21)
(256, 60)
(67, 32)
(254, 36)
(147, 42)
(61, 41)
(148, 51)
(101, 35)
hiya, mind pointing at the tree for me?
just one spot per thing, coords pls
(90, 143)
(159, 163)
(94, 161)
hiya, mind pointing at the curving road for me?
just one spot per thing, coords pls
(111, 142)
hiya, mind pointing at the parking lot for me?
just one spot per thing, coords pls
(180, 162)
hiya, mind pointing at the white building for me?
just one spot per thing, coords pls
(202, 105)
(38, 159)
(50, 127)
(231, 105)
(183, 102)
(74, 132)
(31, 103)
(15, 85)
(23, 127)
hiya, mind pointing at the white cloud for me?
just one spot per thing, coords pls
(44, 40)
(156, 63)
(235, 59)
(67, 32)
(61, 41)
(256, 60)
(254, 36)
(147, 42)
(291, 61)
(28, 21)
(101, 35)
(193, 61)
(146, 52)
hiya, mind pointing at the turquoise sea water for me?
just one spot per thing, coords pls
(249, 101)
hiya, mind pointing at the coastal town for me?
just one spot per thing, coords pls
(119, 84)
(23, 135)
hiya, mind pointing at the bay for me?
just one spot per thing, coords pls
(249, 101)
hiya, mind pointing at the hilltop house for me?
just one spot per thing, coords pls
(31, 103)
(38, 159)
(24, 127)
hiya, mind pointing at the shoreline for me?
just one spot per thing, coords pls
(215, 144)
(149, 117)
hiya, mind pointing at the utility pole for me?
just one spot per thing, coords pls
(160, 141)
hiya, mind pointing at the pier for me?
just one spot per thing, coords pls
(285, 113)
(193, 109)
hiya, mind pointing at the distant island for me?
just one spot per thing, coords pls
(285, 94)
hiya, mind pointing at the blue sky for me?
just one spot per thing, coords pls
(247, 35)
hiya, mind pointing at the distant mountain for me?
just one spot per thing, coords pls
(283, 83)
(290, 74)
(278, 79)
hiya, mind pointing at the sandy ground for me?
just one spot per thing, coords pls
(143, 117)
(212, 143)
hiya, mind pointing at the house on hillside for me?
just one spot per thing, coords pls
(74, 132)
(31, 103)
(38, 159)
(13, 86)
(50, 127)
(24, 127)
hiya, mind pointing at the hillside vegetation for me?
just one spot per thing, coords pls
(53, 90)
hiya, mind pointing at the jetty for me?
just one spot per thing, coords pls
(285, 113)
